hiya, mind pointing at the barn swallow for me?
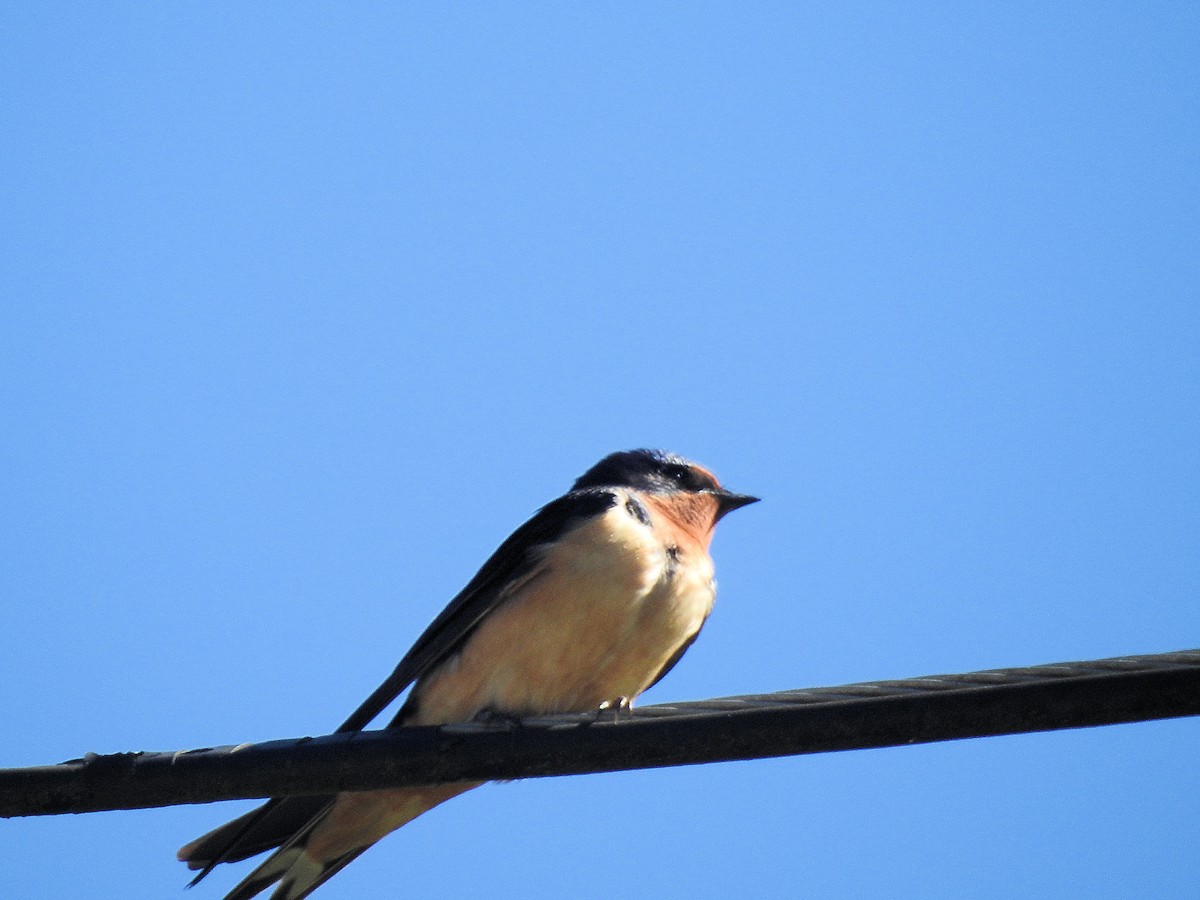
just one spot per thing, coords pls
(584, 607)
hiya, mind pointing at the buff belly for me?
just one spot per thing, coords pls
(598, 618)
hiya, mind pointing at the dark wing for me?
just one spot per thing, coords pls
(277, 820)
(675, 658)
(513, 560)
(259, 830)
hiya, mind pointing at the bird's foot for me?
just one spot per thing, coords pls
(616, 706)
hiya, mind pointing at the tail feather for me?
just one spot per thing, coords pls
(298, 875)
(302, 880)
(261, 829)
(288, 864)
(311, 850)
(271, 871)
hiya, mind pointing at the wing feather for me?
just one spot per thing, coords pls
(276, 821)
(513, 559)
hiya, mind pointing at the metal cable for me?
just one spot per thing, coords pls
(813, 720)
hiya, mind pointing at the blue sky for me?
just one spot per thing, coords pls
(305, 308)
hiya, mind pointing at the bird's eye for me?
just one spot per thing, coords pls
(681, 475)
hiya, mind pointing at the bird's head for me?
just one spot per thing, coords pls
(660, 472)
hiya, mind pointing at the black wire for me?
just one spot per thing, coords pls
(855, 716)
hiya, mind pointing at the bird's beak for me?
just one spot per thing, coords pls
(727, 502)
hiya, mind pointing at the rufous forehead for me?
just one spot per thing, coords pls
(707, 473)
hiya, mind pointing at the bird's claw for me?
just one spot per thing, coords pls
(616, 706)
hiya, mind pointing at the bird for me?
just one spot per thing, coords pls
(585, 606)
